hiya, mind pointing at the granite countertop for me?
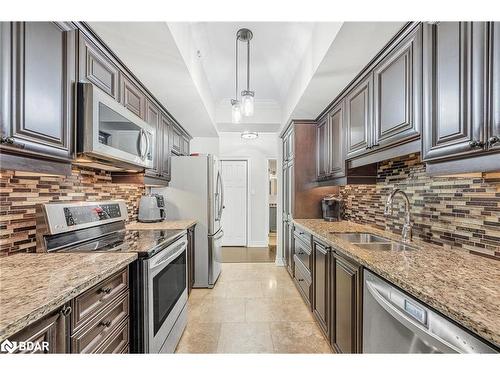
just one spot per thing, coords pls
(162, 225)
(462, 286)
(34, 284)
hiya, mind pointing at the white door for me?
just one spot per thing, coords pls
(234, 220)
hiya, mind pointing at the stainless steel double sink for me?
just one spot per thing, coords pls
(371, 241)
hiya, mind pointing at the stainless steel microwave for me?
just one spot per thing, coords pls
(108, 135)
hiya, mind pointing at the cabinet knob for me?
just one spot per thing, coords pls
(66, 310)
(494, 139)
(475, 143)
(106, 323)
(105, 290)
(11, 142)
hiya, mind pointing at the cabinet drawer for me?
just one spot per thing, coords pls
(303, 281)
(303, 235)
(303, 252)
(99, 329)
(89, 303)
(118, 341)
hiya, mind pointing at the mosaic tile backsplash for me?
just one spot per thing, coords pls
(460, 212)
(20, 192)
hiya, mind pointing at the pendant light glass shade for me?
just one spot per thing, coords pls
(247, 102)
(235, 111)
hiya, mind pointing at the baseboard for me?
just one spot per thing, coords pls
(257, 244)
(279, 262)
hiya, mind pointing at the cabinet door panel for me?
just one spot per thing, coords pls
(165, 149)
(322, 162)
(397, 93)
(176, 141)
(321, 282)
(336, 144)
(43, 74)
(153, 119)
(347, 307)
(132, 97)
(96, 68)
(454, 70)
(494, 129)
(359, 118)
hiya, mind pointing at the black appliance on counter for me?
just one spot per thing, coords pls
(158, 278)
(332, 207)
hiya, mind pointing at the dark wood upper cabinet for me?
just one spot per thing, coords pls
(397, 93)
(346, 305)
(37, 85)
(97, 68)
(176, 141)
(153, 119)
(336, 141)
(132, 97)
(358, 109)
(164, 152)
(494, 121)
(321, 286)
(322, 149)
(454, 58)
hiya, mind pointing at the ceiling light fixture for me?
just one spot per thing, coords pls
(246, 106)
(249, 135)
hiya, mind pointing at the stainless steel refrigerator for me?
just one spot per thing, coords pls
(196, 192)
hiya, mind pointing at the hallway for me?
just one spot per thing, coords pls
(254, 308)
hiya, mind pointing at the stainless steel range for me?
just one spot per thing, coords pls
(158, 277)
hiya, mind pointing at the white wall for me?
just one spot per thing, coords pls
(231, 145)
(205, 145)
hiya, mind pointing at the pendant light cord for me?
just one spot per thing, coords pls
(236, 78)
(248, 65)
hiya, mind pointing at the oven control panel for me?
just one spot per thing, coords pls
(69, 216)
(90, 214)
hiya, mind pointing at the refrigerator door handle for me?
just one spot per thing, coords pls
(221, 197)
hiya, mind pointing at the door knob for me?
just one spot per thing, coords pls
(475, 143)
(493, 139)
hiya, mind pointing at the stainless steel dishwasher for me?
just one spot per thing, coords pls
(394, 322)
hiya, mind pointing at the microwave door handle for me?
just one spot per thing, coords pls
(142, 152)
(148, 144)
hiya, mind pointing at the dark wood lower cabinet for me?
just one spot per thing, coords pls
(96, 321)
(321, 286)
(190, 257)
(47, 335)
(346, 305)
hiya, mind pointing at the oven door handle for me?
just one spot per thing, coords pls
(169, 257)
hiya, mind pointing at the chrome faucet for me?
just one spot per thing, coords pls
(407, 232)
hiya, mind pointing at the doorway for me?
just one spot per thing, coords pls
(235, 218)
(272, 175)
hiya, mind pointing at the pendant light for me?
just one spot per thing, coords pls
(246, 106)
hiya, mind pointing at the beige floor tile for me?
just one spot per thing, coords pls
(199, 338)
(245, 338)
(277, 310)
(298, 337)
(253, 308)
(218, 310)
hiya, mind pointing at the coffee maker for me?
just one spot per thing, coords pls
(332, 208)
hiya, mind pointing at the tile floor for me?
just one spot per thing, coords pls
(244, 254)
(254, 308)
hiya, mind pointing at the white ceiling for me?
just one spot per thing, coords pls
(296, 68)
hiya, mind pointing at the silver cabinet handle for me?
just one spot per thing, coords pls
(494, 139)
(476, 144)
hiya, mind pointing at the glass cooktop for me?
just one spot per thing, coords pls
(143, 242)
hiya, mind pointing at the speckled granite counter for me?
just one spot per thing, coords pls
(162, 225)
(32, 285)
(462, 286)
